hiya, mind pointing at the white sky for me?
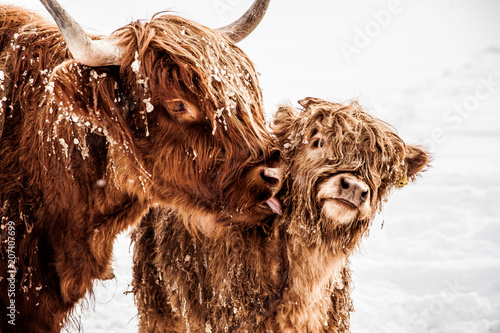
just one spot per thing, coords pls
(297, 48)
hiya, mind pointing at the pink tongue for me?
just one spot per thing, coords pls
(275, 205)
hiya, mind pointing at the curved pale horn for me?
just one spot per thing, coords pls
(241, 28)
(89, 52)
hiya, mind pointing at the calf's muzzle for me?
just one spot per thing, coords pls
(352, 190)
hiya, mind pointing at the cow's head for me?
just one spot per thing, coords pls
(180, 107)
(343, 163)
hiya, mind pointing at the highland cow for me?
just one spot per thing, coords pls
(268, 273)
(96, 130)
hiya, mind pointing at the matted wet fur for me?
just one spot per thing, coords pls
(85, 152)
(285, 273)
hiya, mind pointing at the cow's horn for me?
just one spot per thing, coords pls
(241, 28)
(89, 52)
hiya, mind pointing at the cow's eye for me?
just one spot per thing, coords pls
(176, 106)
(318, 143)
(182, 110)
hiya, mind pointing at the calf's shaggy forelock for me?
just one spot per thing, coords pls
(286, 273)
(85, 152)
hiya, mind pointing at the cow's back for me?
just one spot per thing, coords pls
(16, 22)
(30, 47)
(12, 19)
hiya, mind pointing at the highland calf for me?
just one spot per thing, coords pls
(96, 130)
(268, 273)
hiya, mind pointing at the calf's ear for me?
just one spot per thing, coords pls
(309, 101)
(283, 123)
(417, 160)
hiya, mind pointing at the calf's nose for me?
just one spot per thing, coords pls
(353, 190)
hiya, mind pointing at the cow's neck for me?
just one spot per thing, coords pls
(88, 210)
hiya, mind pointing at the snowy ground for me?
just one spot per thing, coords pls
(431, 69)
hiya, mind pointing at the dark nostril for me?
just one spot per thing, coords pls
(269, 179)
(353, 190)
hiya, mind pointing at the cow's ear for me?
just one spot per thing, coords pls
(283, 123)
(82, 90)
(417, 160)
(89, 97)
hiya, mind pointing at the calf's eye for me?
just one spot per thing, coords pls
(318, 143)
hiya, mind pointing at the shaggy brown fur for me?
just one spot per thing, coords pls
(281, 274)
(85, 152)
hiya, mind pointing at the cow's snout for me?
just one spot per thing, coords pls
(271, 177)
(353, 190)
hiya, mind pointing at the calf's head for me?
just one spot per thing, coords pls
(343, 163)
(181, 109)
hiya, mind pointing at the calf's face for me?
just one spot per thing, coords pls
(343, 163)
